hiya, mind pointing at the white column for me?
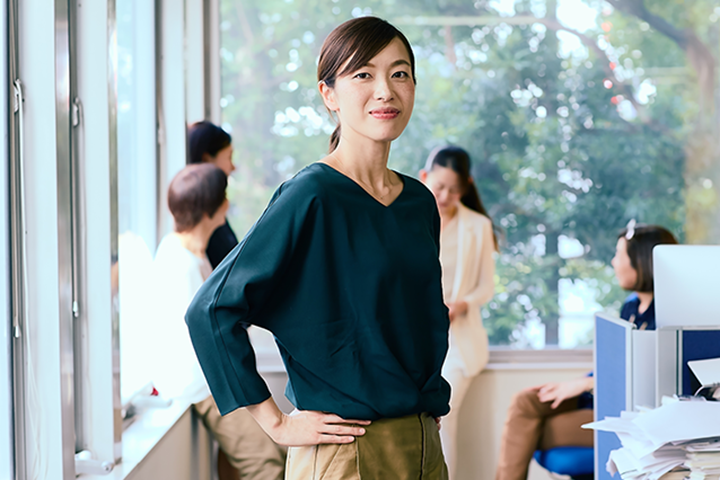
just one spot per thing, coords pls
(97, 150)
(48, 299)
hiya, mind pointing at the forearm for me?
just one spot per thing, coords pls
(267, 415)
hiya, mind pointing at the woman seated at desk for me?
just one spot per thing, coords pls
(550, 415)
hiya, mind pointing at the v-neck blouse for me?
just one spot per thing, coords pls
(351, 290)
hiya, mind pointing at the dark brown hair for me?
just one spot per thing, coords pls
(458, 160)
(194, 191)
(205, 137)
(357, 40)
(639, 248)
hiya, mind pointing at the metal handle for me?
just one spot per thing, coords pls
(19, 99)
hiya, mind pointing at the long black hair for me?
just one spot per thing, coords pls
(458, 160)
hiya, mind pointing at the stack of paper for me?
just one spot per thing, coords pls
(658, 441)
(703, 460)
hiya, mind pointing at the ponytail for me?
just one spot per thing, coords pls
(471, 199)
(334, 139)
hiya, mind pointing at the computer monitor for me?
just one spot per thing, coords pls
(686, 285)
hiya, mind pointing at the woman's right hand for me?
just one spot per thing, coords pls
(304, 428)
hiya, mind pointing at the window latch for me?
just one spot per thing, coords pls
(85, 464)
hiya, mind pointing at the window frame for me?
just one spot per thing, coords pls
(6, 417)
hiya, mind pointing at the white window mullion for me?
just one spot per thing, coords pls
(96, 145)
(6, 424)
(46, 333)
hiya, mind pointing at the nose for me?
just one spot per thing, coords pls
(383, 90)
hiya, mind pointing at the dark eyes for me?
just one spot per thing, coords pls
(365, 75)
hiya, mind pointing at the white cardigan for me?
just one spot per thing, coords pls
(474, 283)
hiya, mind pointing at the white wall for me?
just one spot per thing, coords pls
(483, 415)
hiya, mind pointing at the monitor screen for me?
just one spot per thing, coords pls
(687, 290)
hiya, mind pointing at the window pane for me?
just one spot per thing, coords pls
(571, 136)
(137, 190)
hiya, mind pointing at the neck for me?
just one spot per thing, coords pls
(196, 240)
(365, 160)
(447, 215)
(646, 299)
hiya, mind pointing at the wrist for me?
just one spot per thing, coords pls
(268, 416)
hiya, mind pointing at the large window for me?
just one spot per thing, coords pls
(579, 115)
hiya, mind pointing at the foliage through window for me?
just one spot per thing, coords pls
(579, 115)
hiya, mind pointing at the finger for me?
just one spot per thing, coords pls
(335, 439)
(330, 418)
(343, 430)
(556, 403)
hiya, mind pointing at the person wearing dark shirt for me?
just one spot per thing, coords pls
(550, 415)
(208, 143)
(343, 268)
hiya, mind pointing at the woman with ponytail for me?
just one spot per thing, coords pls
(343, 268)
(467, 243)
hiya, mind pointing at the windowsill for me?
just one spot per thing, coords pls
(141, 436)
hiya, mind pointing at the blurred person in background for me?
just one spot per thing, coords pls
(550, 415)
(196, 198)
(467, 243)
(208, 143)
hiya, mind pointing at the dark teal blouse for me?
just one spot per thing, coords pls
(350, 288)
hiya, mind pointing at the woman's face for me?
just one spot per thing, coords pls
(445, 184)
(376, 100)
(624, 271)
(223, 160)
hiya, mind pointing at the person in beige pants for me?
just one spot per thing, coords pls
(196, 198)
(343, 269)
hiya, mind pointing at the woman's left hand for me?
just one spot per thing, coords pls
(457, 308)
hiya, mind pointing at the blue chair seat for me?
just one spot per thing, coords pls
(578, 462)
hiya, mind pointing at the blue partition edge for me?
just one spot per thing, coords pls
(612, 382)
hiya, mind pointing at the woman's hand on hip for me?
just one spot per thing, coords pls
(302, 428)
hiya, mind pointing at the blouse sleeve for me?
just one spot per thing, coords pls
(235, 293)
(486, 284)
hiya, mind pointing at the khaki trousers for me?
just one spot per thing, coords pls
(248, 448)
(533, 425)
(398, 449)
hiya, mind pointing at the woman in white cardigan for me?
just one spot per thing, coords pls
(467, 243)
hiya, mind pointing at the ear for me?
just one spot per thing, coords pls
(328, 96)
(471, 180)
(207, 158)
(423, 175)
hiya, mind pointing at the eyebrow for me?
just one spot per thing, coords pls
(394, 64)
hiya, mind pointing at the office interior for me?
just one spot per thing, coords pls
(580, 116)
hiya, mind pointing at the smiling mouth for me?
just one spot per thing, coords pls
(385, 113)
